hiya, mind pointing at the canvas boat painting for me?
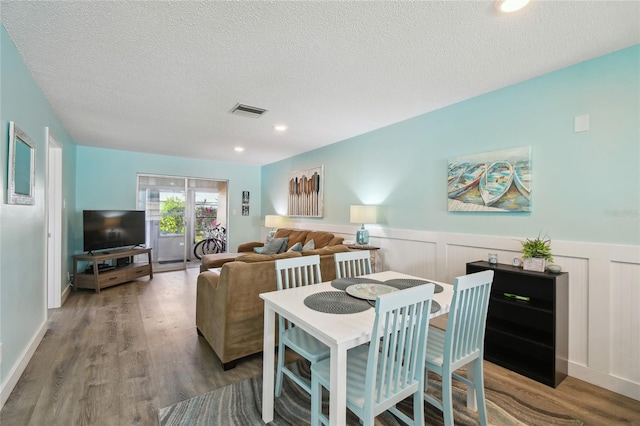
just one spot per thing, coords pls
(522, 177)
(455, 171)
(495, 181)
(467, 179)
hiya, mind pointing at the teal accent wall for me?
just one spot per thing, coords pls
(586, 186)
(23, 293)
(107, 178)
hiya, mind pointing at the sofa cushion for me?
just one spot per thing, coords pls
(320, 238)
(294, 235)
(336, 241)
(254, 257)
(277, 245)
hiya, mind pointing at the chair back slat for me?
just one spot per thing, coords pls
(397, 349)
(297, 272)
(467, 318)
(352, 263)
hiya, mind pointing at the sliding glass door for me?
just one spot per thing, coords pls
(178, 211)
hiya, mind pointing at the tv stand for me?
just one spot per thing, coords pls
(99, 277)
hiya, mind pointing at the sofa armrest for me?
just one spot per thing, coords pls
(216, 260)
(248, 247)
(211, 307)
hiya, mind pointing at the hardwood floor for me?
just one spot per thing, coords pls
(117, 357)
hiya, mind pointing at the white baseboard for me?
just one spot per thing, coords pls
(65, 294)
(607, 381)
(14, 375)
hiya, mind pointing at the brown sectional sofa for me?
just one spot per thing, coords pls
(229, 311)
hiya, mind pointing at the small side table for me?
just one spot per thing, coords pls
(371, 249)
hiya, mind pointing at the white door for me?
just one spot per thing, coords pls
(54, 221)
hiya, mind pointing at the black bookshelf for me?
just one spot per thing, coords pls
(528, 321)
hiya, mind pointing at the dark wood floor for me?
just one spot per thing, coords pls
(117, 357)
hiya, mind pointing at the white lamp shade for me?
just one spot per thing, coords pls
(363, 214)
(273, 221)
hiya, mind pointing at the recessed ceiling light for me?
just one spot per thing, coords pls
(280, 127)
(508, 6)
(238, 149)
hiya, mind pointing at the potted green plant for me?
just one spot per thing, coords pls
(536, 253)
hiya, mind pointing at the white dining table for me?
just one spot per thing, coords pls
(340, 332)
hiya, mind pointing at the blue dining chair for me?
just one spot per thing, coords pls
(291, 273)
(390, 368)
(352, 263)
(462, 343)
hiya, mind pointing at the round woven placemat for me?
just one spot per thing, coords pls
(402, 283)
(435, 306)
(343, 283)
(336, 302)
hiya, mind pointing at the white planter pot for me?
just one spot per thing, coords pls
(537, 264)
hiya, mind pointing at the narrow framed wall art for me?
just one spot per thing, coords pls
(305, 192)
(245, 203)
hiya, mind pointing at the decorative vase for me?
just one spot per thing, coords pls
(537, 264)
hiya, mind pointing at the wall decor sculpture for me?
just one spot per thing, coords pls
(305, 192)
(497, 181)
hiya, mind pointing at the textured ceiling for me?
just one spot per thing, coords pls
(161, 77)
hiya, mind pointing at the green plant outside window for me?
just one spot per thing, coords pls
(172, 220)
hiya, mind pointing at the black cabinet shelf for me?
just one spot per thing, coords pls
(528, 334)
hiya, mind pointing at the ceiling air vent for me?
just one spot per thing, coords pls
(247, 111)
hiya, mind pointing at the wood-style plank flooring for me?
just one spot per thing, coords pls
(117, 357)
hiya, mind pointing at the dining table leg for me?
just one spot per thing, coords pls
(338, 385)
(268, 364)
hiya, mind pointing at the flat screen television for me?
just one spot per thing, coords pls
(105, 229)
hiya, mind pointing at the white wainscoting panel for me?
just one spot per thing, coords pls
(578, 269)
(625, 317)
(604, 291)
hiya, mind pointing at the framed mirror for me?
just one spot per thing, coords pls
(22, 167)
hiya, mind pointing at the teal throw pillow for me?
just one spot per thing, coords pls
(275, 246)
(296, 247)
(310, 245)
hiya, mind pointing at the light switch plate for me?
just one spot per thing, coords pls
(581, 123)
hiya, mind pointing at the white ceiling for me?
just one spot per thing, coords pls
(161, 77)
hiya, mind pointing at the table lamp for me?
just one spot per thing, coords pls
(274, 222)
(362, 215)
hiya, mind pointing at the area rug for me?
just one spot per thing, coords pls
(240, 404)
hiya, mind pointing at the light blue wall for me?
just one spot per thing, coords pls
(23, 296)
(586, 185)
(106, 179)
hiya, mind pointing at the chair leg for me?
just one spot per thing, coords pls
(480, 396)
(279, 374)
(447, 398)
(418, 409)
(316, 400)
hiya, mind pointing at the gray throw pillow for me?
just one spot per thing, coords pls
(296, 247)
(266, 242)
(310, 245)
(275, 246)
